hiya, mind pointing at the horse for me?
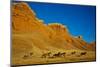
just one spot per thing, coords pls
(46, 55)
(83, 53)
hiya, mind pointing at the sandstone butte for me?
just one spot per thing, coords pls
(31, 34)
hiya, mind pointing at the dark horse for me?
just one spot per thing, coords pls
(82, 53)
(59, 54)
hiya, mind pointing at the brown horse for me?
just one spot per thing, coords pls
(46, 55)
(63, 54)
(25, 56)
(73, 52)
(82, 53)
(59, 54)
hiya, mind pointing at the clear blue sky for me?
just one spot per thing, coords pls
(80, 19)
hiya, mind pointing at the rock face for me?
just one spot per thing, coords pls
(60, 30)
(62, 36)
(25, 20)
(91, 46)
(30, 34)
(19, 12)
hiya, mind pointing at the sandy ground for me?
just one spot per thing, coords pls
(69, 57)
